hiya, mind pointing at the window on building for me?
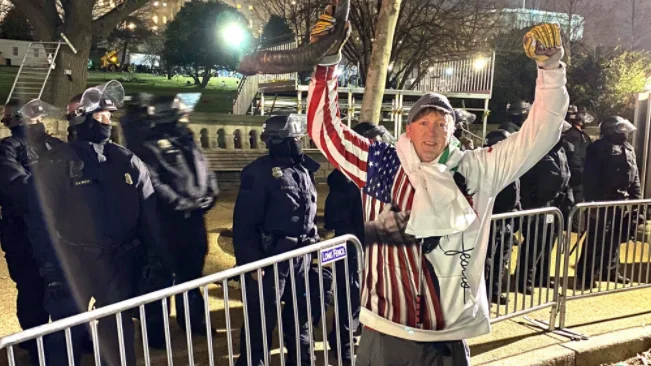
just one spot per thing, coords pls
(239, 6)
(15, 50)
(156, 3)
(155, 19)
(164, 4)
(250, 7)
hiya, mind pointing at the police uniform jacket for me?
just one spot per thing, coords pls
(580, 142)
(343, 206)
(611, 172)
(179, 170)
(547, 183)
(276, 201)
(103, 205)
(17, 157)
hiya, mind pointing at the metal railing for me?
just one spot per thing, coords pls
(597, 232)
(471, 76)
(526, 278)
(329, 252)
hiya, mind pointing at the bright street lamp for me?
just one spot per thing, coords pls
(131, 26)
(234, 34)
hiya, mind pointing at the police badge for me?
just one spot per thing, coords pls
(164, 144)
(127, 178)
(76, 168)
(276, 172)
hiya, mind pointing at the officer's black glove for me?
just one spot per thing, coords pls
(154, 276)
(55, 284)
(206, 202)
(186, 205)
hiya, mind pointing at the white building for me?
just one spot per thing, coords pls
(13, 51)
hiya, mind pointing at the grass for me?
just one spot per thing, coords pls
(216, 98)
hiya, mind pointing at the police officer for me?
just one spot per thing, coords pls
(463, 119)
(274, 213)
(186, 189)
(611, 175)
(517, 113)
(580, 141)
(547, 184)
(136, 123)
(18, 154)
(97, 200)
(345, 215)
(502, 235)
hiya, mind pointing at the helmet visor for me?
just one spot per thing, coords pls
(108, 96)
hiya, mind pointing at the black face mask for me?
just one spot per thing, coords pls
(287, 148)
(36, 130)
(19, 131)
(93, 131)
(616, 138)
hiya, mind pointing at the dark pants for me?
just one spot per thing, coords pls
(270, 321)
(600, 255)
(188, 242)
(156, 280)
(498, 255)
(535, 252)
(377, 349)
(23, 270)
(342, 302)
(105, 276)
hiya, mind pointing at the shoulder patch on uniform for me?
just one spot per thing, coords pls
(276, 172)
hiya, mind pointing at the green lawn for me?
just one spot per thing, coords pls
(216, 98)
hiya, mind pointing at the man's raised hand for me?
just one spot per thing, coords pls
(543, 44)
(325, 26)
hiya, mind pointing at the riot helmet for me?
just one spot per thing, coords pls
(494, 137)
(374, 132)
(616, 129)
(518, 111)
(282, 134)
(98, 101)
(30, 113)
(173, 108)
(278, 128)
(462, 119)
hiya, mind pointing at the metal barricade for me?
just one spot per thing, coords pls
(538, 235)
(330, 253)
(593, 254)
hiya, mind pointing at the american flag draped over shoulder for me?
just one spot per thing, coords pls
(383, 164)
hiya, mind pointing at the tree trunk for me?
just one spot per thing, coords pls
(207, 74)
(377, 71)
(124, 53)
(62, 87)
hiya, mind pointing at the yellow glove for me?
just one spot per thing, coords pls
(544, 45)
(325, 26)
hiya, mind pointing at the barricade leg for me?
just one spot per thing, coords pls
(289, 317)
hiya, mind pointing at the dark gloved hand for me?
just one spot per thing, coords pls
(184, 204)
(206, 202)
(55, 284)
(154, 276)
(389, 228)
